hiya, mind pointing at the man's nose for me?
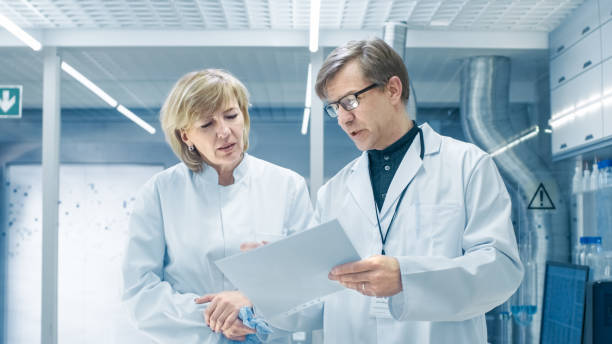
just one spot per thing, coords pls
(344, 116)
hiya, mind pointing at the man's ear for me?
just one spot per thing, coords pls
(394, 89)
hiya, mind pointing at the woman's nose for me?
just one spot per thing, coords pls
(223, 131)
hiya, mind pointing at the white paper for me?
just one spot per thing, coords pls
(288, 275)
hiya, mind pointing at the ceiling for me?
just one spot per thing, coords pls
(517, 15)
(140, 77)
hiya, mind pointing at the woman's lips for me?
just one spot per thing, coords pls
(227, 148)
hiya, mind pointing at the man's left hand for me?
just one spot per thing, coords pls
(223, 308)
(374, 276)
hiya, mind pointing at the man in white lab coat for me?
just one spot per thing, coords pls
(430, 214)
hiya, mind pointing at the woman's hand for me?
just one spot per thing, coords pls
(247, 246)
(223, 308)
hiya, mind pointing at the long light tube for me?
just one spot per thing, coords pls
(532, 133)
(104, 96)
(307, 101)
(19, 33)
(129, 114)
(87, 83)
(315, 8)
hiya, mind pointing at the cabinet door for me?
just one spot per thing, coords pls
(607, 102)
(562, 138)
(587, 88)
(582, 56)
(579, 23)
(606, 39)
(605, 10)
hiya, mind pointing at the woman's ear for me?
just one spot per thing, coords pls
(184, 136)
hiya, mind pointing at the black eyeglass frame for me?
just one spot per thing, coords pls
(333, 111)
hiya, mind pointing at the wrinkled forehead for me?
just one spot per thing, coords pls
(347, 80)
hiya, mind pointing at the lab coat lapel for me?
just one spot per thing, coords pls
(360, 187)
(408, 168)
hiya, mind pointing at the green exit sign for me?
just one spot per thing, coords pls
(10, 101)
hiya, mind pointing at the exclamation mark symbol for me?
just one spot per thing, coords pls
(541, 198)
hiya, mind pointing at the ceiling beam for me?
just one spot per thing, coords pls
(274, 38)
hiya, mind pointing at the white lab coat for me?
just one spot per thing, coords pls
(183, 222)
(452, 237)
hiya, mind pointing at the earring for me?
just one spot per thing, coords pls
(191, 148)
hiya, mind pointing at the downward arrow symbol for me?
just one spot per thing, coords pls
(6, 103)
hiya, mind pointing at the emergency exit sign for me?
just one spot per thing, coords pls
(10, 101)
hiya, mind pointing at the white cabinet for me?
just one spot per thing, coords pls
(584, 55)
(605, 10)
(587, 90)
(584, 20)
(583, 94)
(607, 102)
(606, 39)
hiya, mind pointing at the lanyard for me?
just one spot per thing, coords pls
(399, 201)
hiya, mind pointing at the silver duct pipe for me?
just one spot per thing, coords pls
(542, 234)
(394, 34)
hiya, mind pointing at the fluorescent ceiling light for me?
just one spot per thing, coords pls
(307, 101)
(87, 83)
(532, 133)
(129, 114)
(315, 7)
(19, 33)
(108, 99)
(305, 121)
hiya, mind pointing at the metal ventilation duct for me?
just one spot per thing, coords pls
(542, 234)
(394, 34)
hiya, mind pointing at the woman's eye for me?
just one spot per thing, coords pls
(231, 116)
(206, 125)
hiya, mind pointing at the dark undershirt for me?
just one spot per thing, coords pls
(384, 163)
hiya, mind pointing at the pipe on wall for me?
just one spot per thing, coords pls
(486, 121)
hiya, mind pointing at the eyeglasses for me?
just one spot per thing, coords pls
(348, 102)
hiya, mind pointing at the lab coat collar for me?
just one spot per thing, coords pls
(410, 166)
(360, 185)
(210, 175)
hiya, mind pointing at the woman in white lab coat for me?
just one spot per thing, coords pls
(201, 210)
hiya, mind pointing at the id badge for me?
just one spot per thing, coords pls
(379, 308)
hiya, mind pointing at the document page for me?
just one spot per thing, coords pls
(286, 276)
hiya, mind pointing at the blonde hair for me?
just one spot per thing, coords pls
(197, 93)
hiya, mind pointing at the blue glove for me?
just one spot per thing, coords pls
(249, 320)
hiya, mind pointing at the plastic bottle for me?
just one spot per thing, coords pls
(591, 254)
(594, 180)
(586, 180)
(577, 179)
(605, 169)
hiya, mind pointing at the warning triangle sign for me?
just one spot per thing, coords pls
(541, 199)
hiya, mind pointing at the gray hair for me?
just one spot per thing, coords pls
(378, 61)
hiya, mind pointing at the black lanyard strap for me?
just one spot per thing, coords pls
(383, 239)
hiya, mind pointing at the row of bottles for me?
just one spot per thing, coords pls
(592, 201)
(600, 176)
(590, 253)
